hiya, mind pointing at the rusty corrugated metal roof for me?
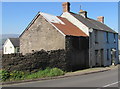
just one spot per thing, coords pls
(68, 28)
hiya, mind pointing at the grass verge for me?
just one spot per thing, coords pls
(19, 75)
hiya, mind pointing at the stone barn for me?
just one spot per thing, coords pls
(50, 32)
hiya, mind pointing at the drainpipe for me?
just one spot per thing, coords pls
(90, 33)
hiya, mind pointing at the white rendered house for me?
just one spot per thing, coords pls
(11, 45)
(103, 41)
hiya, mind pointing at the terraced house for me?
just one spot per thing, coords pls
(90, 42)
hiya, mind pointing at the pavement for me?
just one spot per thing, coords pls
(94, 77)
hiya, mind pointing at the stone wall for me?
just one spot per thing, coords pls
(77, 51)
(41, 35)
(75, 56)
(35, 61)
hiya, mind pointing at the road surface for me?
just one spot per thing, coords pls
(101, 79)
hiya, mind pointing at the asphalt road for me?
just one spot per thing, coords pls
(102, 79)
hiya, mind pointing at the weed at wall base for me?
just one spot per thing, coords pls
(19, 75)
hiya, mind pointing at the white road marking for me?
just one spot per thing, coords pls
(111, 84)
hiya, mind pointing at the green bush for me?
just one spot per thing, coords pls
(4, 75)
(56, 72)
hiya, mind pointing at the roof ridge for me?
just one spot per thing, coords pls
(92, 23)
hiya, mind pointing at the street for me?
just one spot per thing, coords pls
(102, 79)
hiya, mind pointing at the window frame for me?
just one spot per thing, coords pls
(107, 37)
(96, 36)
(114, 37)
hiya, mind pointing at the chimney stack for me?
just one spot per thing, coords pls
(66, 7)
(100, 19)
(83, 13)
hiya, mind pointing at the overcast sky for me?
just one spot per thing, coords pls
(17, 15)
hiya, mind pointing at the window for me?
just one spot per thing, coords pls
(17, 50)
(107, 40)
(114, 38)
(90, 39)
(115, 53)
(107, 54)
(96, 36)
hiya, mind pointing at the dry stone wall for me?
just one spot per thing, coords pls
(35, 61)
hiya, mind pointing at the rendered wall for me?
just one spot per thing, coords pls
(8, 47)
(102, 45)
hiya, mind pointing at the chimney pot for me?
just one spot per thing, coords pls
(83, 13)
(66, 7)
(100, 19)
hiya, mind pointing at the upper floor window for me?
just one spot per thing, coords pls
(96, 36)
(107, 40)
(90, 39)
(114, 38)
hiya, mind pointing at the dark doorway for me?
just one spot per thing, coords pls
(102, 57)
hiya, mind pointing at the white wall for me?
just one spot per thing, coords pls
(102, 44)
(76, 22)
(119, 44)
(8, 47)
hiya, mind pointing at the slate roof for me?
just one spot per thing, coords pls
(15, 41)
(91, 23)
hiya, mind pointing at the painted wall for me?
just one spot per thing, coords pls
(119, 44)
(8, 47)
(119, 49)
(41, 35)
(103, 45)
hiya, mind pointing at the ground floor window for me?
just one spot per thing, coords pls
(107, 54)
(17, 50)
(96, 56)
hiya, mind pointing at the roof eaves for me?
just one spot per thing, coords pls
(112, 31)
